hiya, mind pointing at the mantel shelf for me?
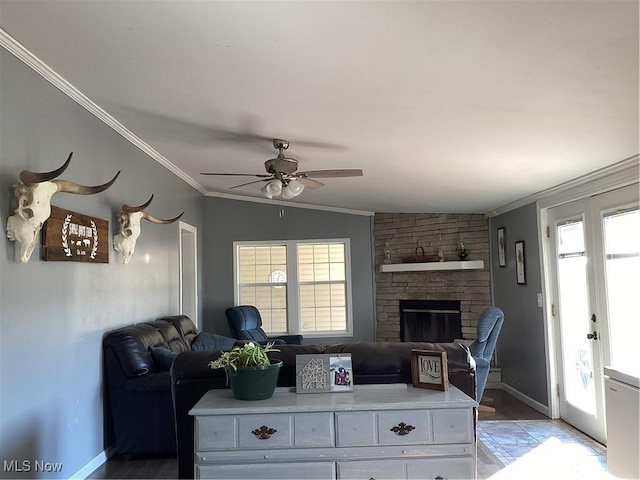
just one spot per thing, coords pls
(413, 267)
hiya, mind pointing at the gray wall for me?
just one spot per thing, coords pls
(53, 314)
(521, 346)
(227, 221)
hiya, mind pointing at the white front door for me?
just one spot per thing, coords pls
(595, 250)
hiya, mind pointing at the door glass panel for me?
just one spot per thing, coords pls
(574, 311)
(622, 264)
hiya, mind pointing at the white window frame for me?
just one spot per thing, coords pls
(293, 285)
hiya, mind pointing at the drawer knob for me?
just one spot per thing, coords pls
(402, 429)
(264, 432)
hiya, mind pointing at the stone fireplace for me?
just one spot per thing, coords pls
(398, 235)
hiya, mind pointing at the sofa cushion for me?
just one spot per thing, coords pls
(208, 342)
(130, 346)
(185, 327)
(163, 358)
(171, 336)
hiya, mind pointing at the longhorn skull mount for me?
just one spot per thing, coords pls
(34, 194)
(130, 218)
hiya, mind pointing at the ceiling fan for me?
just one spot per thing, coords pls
(283, 178)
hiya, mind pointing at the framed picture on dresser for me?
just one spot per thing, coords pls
(324, 373)
(429, 369)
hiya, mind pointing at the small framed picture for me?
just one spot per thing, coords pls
(502, 247)
(429, 369)
(521, 275)
(328, 373)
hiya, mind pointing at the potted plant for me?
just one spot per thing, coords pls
(250, 372)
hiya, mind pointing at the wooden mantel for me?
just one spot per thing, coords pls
(414, 267)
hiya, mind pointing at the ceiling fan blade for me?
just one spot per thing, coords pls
(309, 183)
(238, 174)
(250, 183)
(194, 131)
(332, 173)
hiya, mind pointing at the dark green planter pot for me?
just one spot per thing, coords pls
(254, 383)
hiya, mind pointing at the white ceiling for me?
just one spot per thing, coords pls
(447, 106)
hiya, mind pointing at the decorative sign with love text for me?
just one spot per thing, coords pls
(73, 237)
(429, 369)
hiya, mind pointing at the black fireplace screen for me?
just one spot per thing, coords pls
(435, 321)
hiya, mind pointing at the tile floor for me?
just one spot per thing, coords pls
(542, 449)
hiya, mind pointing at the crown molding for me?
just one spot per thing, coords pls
(617, 175)
(286, 203)
(22, 53)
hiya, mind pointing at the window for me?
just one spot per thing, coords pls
(298, 286)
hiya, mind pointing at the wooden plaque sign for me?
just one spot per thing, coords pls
(73, 237)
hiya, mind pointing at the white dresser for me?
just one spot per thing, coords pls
(381, 432)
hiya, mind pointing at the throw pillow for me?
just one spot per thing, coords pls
(208, 342)
(163, 357)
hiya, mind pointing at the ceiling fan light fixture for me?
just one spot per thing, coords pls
(282, 175)
(292, 189)
(272, 188)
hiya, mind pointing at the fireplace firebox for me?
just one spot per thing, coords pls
(435, 321)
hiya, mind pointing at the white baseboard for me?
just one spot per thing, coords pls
(527, 400)
(98, 460)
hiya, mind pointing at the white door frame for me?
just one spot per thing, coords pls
(626, 173)
(191, 269)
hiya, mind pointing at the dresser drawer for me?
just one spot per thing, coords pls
(408, 469)
(452, 426)
(264, 431)
(275, 471)
(216, 433)
(293, 430)
(383, 428)
(446, 468)
(378, 469)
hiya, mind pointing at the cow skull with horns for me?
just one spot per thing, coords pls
(129, 219)
(34, 194)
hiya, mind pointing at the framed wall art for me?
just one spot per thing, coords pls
(328, 373)
(74, 237)
(520, 263)
(429, 369)
(502, 249)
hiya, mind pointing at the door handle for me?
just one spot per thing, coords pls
(592, 336)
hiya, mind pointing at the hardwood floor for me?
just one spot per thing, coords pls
(499, 405)
(143, 468)
(497, 410)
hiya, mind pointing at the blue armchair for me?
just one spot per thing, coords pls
(489, 325)
(245, 323)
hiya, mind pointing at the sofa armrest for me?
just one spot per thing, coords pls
(288, 339)
(152, 382)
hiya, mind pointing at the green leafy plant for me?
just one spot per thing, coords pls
(248, 355)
